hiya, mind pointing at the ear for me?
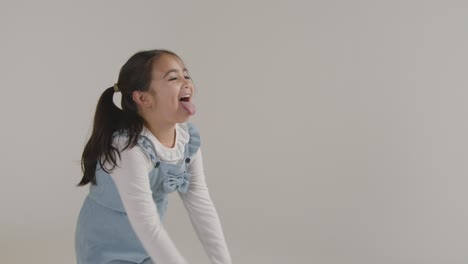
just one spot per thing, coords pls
(142, 98)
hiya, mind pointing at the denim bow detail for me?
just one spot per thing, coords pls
(177, 182)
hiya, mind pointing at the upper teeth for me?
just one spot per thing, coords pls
(187, 95)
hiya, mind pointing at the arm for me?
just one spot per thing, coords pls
(203, 214)
(132, 182)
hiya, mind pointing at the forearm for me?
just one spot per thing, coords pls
(132, 182)
(203, 215)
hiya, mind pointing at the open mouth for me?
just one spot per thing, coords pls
(185, 98)
(186, 103)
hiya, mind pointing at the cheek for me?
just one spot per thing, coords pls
(169, 101)
(173, 97)
(168, 96)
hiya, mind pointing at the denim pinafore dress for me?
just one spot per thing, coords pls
(103, 233)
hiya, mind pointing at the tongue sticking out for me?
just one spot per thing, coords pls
(190, 107)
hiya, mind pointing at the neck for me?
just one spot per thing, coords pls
(164, 132)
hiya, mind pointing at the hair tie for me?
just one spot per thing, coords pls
(117, 97)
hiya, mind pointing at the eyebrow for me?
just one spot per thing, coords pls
(174, 70)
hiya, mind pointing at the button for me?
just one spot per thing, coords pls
(187, 160)
(157, 164)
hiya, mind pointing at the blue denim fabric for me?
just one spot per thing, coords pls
(103, 232)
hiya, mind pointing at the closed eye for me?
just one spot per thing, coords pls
(175, 78)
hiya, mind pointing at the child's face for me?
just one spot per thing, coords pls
(169, 83)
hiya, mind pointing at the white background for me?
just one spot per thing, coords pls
(333, 131)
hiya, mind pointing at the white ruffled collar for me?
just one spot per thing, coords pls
(170, 154)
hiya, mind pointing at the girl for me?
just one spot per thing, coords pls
(121, 220)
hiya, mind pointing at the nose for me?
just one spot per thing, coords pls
(188, 85)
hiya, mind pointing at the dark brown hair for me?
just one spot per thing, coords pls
(135, 75)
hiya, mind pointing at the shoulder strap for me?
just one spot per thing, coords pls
(194, 141)
(148, 146)
(144, 142)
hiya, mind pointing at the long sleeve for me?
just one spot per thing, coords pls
(132, 182)
(203, 214)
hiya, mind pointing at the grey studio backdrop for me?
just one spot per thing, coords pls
(333, 131)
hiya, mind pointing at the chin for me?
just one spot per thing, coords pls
(183, 119)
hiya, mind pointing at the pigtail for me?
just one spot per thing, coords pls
(106, 120)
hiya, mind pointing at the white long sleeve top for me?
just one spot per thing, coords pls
(132, 182)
